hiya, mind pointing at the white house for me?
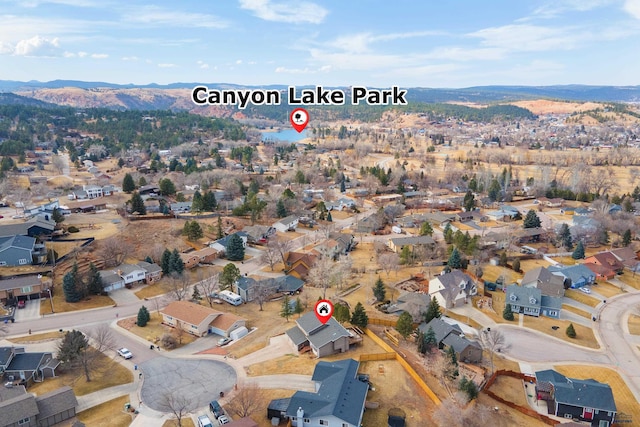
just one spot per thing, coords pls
(93, 191)
(452, 289)
(288, 223)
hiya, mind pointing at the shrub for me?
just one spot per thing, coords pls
(73, 229)
(571, 332)
(169, 341)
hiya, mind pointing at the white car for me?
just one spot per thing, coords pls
(124, 352)
(204, 421)
(223, 419)
(585, 290)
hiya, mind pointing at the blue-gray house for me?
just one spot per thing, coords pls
(247, 287)
(21, 250)
(578, 274)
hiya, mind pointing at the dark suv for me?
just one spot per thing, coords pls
(215, 408)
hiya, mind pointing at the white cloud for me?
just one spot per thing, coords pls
(38, 46)
(82, 54)
(632, 7)
(239, 61)
(167, 65)
(202, 65)
(528, 38)
(306, 70)
(75, 3)
(361, 42)
(157, 16)
(465, 54)
(292, 12)
(130, 58)
(554, 8)
(6, 48)
(99, 55)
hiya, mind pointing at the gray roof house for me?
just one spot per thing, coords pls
(578, 274)
(414, 303)
(323, 340)
(287, 223)
(396, 244)
(221, 244)
(34, 227)
(452, 289)
(548, 283)
(246, 287)
(448, 335)
(20, 250)
(582, 400)
(530, 301)
(20, 365)
(180, 207)
(111, 280)
(19, 408)
(338, 401)
(258, 233)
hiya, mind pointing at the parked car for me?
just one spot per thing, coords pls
(124, 352)
(22, 304)
(204, 421)
(223, 341)
(215, 408)
(223, 419)
(585, 290)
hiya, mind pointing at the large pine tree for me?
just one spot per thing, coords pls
(176, 262)
(404, 325)
(455, 260)
(71, 294)
(433, 310)
(165, 262)
(94, 281)
(359, 316)
(143, 316)
(531, 220)
(379, 290)
(235, 248)
(137, 204)
(128, 185)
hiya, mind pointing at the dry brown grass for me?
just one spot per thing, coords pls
(584, 335)
(625, 401)
(576, 310)
(630, 279)
(107, 414)
(581, 297)
(60, 305)
(504, 416)
(511, 389)
(606, 289)
(634, 324)
(154, 330)
(464, 319)
(30, 339)
(186, 422)
(109, 374)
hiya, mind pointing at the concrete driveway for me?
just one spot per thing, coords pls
(30, 311)
(199, 381)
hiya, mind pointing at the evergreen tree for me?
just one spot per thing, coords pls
(515, 266)
(626, 238)
(341, 313)
(494, 190)
(167, 187)
(286, 310)
(578, 252)
(469, 201)
(148, 259)
(176, 263)
(603, 237)
(503, 259)
(379, 290)
(196, 294)
(564, 235)
(230, 274)
(165, 262)
(433, 311)
(94, 281)
(448, 233)
(571, 331)
(299, 308)
(452, 370)
(71, 347)
(142, 181)
(197, 203)
(143, 317)
(455, 261)
(137, 204)
(210, 204)
(281, 210)
(192, 230)
(235, 248)
(57, 216)
(128, 184)
(421, 342)
(430, 339)
(507, 314)
(69, 288)
(359, 317)
(426, 229)
(406, 257)
(329, 217)
(343, 187)
(531, 220)
(404, 325)
(219, 232)
(469, 388)
(120, 162)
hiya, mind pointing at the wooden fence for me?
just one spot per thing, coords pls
(372, 357)
(382, 322)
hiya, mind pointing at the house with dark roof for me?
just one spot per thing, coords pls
(288, 223)
(414, 303)
(452, 289)
(180, 207)
(450, 335)
(19, 408)
(34, 227)
(152, 271)
(298, 264)
(221, 244)
(607, 261)
(338, 401)
(628, 257)
(396, 244)
(259, 234)
(322, 339)
(199, 320)
(578, 275)
(21, 250)
(582, 400)
(23, 288)
(530, 301)
(19, 365)
(541, 278)
(247, 287)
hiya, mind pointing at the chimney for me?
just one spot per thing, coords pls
(300, 417)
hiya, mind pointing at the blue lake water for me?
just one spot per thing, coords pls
(287, 135)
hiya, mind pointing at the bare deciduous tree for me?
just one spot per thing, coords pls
(176, 403)
(58, 164)
(261, 293)
(209, 287)
(178, 286)
(283, 246)
(271, 254)
(388, 262)
(114, 250)
(99, 340)
(493, 341)
(156, 252)
(248, 400)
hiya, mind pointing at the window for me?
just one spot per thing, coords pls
(26, 290)
(307, 420)
(22, 261)
(345, 425)
(568, 416)
(553, 313)
(3, 263)
(194, 327)
(23, 421)
(324, 422)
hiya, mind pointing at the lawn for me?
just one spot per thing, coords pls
(154, 330)
(109, 374)
(630, 279)
(60, 305)
(584, 335)
(511, 389)
(107, 414)
(606, 289)
(634, 324)
(576, 310)
(186, 422)
(29, 339)
(625, 401)
(464, 319)
(581, 297)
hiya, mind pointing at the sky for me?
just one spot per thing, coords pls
(428, 43)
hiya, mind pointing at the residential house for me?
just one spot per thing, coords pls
(438, 219)
(322, 339)
(298, 264)
(582, 400)
(578, 275)
(452, 289)
(450, 335)
(414, 303)
(338, 401)
(369, 224)
(206, 255)
(346, 242)
(23, 288)
(601, 271)
(34, 227)
(131, 273)
(180, 207)
(530, 301)
(607, 260)
(124, 275)
(19, 408)
(199, 320)
(396, 244)
(21, 250)
(190, 259)
(288, 223)
(541, 278)
(242, 422)
(504, 213)
(152, 271)
(111, 280)
(19, 365)
(220, 245)
(93, 191)
(628, 257)
(247, 287)
(340, 204)
(259, 234)
(149, 190)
